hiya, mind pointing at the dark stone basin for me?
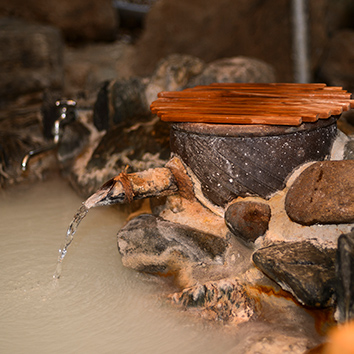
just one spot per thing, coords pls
(249, 160)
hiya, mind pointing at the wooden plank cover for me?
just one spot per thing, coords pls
(253, 103)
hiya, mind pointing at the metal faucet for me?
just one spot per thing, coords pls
(67, 114)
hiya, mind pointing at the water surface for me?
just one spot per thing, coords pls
(97, 305)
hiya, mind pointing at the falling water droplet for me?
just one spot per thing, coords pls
(80, 214)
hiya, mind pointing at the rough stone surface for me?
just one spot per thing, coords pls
(154, 245)
(248, 220)
(337, 68)
(345, 277)
(212, 29)
(78, 19)
(141, 146)
(323, 193)
(31, 59)
(120, 101)
(302, 269)
(173, 74)
(225, 300)
(237, 69)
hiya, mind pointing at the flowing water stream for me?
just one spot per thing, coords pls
(97, 305)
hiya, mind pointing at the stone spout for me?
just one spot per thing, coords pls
(125, 188)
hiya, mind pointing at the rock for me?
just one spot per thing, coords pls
(225, 300)
(77, 19)
(211, 30)
(337, 67)
(304, 270)
(349, 150)
(88, 66)
(173, 74)
(237, 69)
(248, 220)
(120, 101)
(154, 245)
(345, 276)
(141, 145)
(31, 59)
(323, 193)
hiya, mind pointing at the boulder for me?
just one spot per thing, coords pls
(31, 59)
(120, 101)
(151, 244)
(345, 277)
(337, 66)
(212, 30)
(77, 19)
(236, 69)
(323, 193)
(248, 220)
(173, 73)
(138, 144)
(304, 270)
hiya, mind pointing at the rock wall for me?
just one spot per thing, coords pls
(212, 29)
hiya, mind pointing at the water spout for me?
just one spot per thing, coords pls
(121, 189)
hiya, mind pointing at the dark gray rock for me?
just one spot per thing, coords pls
(345, 277)
(31, 59)
(248, 220)
(152, 244)
(323, 193)
(120, 101)
(302, 269)
(225, 300)
(237, 69)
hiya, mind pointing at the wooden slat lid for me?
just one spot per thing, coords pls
(238, 103)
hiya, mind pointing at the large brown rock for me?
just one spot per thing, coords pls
(323, 193)
(78, 19)
(211, 29)
(248, 220)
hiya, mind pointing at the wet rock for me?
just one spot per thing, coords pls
(154, 245)
(173, 74)
(323, 193)
(120, 101)
(302, 269)
(248, 220)
(225, 300)
(141, 146)
(31, 60)
(237, 69)
(77, 19)
(345, 276)
(337, 68)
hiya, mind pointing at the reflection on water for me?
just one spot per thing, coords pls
(97, 306)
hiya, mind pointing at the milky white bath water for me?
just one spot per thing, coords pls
(97, 305)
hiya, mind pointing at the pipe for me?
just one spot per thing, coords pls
(300, 41)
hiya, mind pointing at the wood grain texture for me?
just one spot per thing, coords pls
(253, 103)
